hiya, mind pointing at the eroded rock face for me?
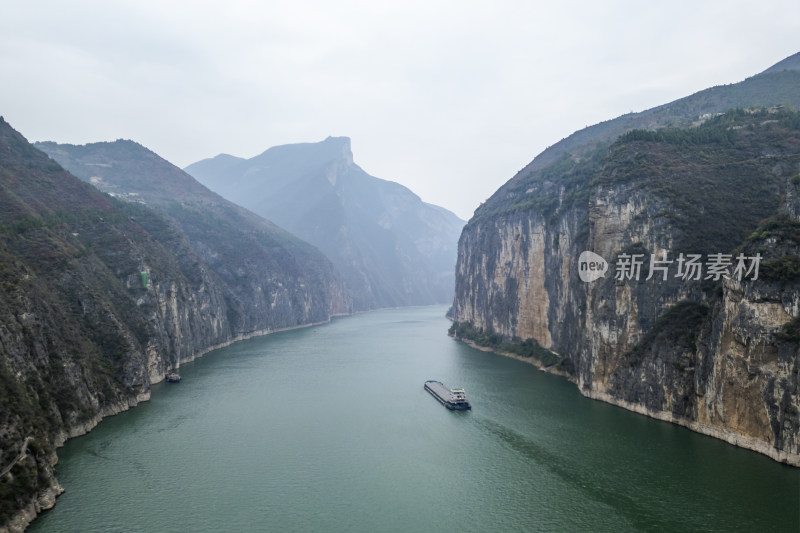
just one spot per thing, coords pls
(719, 356)
(99, 298)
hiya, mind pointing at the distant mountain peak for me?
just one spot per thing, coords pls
(343, 140)
(343, 144)
(330, 149)
(226, 158)
(391, 248)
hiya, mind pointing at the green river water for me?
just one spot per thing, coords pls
(329, 429)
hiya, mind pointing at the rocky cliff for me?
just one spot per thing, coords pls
(271, 278)
(100, 297)
(391, 248)
(715, 351)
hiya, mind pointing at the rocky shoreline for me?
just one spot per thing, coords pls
(244, 337)
(730, 437)
(46, 499)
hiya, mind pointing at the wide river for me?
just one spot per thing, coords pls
(329, 429)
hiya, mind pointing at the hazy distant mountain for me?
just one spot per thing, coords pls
(269, 270)
(391, 247)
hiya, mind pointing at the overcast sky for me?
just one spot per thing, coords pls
(449, 98)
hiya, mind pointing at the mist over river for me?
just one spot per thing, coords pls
(328, 428)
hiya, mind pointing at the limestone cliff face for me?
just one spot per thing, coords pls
(719, 356)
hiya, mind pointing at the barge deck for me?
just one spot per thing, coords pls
(453, 399)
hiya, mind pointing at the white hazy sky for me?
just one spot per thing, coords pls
(449, 98)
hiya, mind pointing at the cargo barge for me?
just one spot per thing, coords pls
(453, 399)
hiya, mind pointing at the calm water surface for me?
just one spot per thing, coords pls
(329, 429)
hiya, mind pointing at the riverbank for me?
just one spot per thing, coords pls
(736, 439)
(260, 333)
(532, 454)
(551, 369)
(46, 499)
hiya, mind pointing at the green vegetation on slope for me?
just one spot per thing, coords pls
(528, 348)
(716, 180)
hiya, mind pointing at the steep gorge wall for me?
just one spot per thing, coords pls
(720, 358)
(83, 336)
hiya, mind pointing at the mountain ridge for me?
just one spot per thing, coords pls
(100, 296)
(790, 63)
(772, 87)
(719, 356)
(391, 247)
